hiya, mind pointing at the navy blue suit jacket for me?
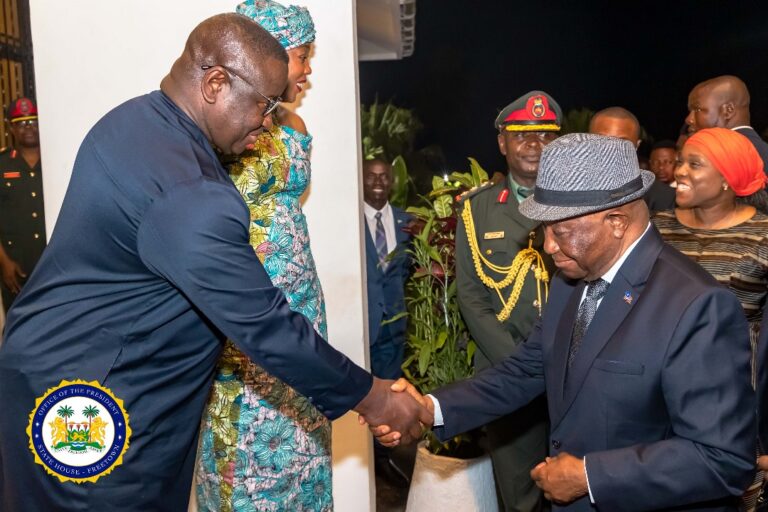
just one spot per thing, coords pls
(658, 399)
(149, 269)
(760, 145)
(386, 288)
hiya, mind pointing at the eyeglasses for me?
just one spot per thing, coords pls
(25, 123)
(272, 104)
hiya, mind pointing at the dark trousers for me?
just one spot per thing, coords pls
(517, 443)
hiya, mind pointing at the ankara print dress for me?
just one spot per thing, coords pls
(263, 446)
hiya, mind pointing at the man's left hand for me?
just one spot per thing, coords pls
(562, 478)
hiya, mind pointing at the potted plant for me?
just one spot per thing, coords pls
(439, 350)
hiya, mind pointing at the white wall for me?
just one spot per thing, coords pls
(91, 55)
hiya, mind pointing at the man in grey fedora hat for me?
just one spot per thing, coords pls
(643, 357)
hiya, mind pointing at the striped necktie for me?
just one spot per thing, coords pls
(595, 291)
(381, 241)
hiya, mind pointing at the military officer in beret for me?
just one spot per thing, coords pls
(502, 276)
(22, 219)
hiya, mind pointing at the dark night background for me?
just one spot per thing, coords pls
(474, 57)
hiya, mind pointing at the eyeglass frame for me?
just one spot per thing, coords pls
(272, 104)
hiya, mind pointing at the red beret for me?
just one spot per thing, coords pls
(21, 110)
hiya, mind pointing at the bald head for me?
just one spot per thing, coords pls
(727, 88)
(616, 122)
(232, 40)
(719, 102)
(228, 74)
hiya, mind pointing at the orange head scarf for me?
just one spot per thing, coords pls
(734, 156)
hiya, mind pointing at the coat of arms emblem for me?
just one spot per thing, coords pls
(78, 431)
(538, 109)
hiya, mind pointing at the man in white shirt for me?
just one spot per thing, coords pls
(643, 357)
(388, 267)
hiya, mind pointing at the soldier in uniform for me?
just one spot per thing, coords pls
(22, 220)
(502, 276)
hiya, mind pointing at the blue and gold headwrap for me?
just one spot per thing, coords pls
(292, 26)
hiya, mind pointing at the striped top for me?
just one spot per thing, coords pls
(737, 256)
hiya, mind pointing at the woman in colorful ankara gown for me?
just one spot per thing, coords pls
(263, 446)
(718, 224)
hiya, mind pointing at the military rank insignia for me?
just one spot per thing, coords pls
(78, 431)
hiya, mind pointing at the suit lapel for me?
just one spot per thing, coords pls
(371, 256)
(619, 300)
(611, 313)
(401, 220)
(561, 347)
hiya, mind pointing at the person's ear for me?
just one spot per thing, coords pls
(727, 110)
(213, 83)
(619, 221)
(502, 144)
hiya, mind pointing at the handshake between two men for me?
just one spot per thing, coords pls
(562, 478)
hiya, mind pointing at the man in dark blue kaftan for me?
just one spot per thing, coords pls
(148, 270)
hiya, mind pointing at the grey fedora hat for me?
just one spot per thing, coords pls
(581, 173)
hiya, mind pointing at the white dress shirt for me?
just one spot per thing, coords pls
(387, 219)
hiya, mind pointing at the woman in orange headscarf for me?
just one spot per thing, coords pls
(719, 223)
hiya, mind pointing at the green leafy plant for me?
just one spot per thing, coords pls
(439, 348)
(387, 130)
(398, 196)
(388, 133)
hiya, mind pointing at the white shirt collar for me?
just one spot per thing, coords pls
(371, 212)
(608, 276)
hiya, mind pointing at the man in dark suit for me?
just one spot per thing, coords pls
(724, 101)
(387, 268)
(111, 346)
(643, 356)
(493, 232)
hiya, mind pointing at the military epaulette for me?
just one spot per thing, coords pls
(474, 191)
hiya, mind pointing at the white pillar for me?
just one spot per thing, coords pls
(91, 55)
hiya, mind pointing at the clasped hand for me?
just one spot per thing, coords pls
(397, 412)
(562, 478)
